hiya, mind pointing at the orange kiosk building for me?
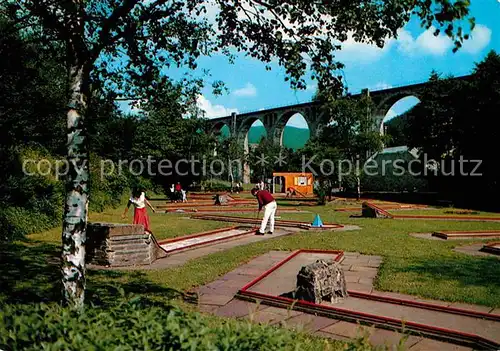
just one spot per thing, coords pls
(301, 182)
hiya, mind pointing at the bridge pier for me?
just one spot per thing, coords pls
(246, 165)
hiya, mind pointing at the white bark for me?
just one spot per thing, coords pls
(76, 201)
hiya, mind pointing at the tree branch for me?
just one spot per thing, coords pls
(266, 5)
(110, 24)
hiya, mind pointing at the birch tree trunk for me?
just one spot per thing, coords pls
(76, 199)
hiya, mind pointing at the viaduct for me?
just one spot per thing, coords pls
(275, 119)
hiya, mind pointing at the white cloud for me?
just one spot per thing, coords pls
(248, 90)
(479, 39)
(405, 42)
(428, 43)
(435, 45)
(359, 52)
(213, 111)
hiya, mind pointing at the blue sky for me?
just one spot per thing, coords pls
(409, 59)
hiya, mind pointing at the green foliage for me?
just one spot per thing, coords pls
(32, 196)
(258, 28)
(130, 326)
(344, 143)
(352, 129)
(231, 151)
(106, 188)
(216, 185)
(268, 157)
(396, 130)
(17, 222)
(321, 190)
(32, 91)
(455, 121)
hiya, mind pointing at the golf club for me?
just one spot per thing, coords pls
(256, 227)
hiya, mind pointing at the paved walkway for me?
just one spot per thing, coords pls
(360, 271)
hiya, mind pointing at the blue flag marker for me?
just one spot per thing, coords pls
(317, 222)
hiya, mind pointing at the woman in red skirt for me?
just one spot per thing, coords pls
(139, 201)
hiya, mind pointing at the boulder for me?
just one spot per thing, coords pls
(321, 280)
(220, 200)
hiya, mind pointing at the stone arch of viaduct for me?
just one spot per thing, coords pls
(275, 119)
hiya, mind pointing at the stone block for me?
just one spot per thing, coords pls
(321, 280)
(112, 244)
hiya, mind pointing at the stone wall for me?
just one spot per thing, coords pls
(111, 244)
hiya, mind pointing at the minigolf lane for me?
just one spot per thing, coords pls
(276, 286)
(190, 241)
(466, 234)
(492, 248)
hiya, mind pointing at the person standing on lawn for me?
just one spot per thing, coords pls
(266, 201)
(178, 192)
(138, 199)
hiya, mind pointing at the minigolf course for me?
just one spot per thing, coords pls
(265, 294)
(278, 223)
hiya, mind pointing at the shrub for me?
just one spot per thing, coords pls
(216, 185)
(17, 222)
(31, 199)
(106, 187)
(131, 326)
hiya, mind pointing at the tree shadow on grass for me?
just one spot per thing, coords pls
(104, 286)
(30, 273)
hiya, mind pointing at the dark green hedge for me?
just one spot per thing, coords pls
(130, 326)
(31, 202)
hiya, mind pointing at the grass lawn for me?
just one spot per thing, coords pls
(410, 265)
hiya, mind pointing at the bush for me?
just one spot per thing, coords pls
(31, 199)
(31, 202)
(17, 222)
(106, 187)
(130, 326)
(216, 185)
